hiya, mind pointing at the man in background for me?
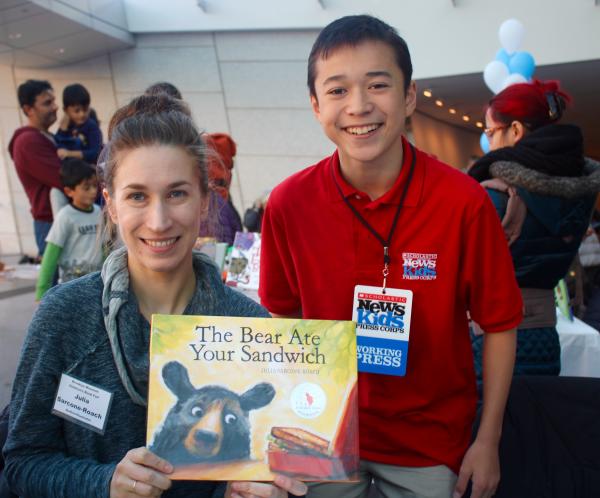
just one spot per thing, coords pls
(33, 151)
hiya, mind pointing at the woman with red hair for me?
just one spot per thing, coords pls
(544, 190)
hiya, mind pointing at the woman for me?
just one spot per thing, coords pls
(544, 190)
(96, 329)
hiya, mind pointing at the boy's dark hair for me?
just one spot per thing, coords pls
(351, 31)
(74, 171)
(164, 87)
(75, 94)
(28, 91)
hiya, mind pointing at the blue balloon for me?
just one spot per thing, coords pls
(502, 56)
(484, 143)
(522, 63)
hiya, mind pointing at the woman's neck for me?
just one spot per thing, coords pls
(167, 293)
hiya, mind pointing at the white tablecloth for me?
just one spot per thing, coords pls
(580, 348)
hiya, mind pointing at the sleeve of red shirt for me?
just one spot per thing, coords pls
(38, 154)
(493, 295)
(278, 288)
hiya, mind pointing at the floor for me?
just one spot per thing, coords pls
(16, 311)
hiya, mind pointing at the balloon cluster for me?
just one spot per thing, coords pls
(510, 65)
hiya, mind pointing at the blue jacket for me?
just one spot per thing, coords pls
(558, 214)
(87, 138)
(49, 457)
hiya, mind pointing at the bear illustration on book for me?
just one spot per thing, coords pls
(206, 424)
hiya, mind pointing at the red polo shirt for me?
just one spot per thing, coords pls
(315, 250)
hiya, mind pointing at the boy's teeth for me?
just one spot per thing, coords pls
(362, 130)
(160, 243)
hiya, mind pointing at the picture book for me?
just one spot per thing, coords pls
(244, 261)
(234, 398)
(562, 300)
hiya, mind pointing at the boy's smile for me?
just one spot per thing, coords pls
(362, 105)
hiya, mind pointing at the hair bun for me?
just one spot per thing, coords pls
(147, 105)
(556, 99)
(556, 106)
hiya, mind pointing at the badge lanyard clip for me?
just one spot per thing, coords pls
(367, 225)
(386, 270)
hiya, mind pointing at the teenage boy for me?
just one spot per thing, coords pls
(72, 242)
(33, 151)
(79, 135)
(324, 232)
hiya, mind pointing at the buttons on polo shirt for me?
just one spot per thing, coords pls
(357, 196)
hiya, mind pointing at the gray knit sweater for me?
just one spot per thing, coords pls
(48, 457)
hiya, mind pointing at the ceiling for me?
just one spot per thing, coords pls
(36, 36)
(468, 94)
(66, 31)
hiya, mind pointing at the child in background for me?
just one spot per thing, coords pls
(71, 243)
(79, 135)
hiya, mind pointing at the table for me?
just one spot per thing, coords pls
(580, 348)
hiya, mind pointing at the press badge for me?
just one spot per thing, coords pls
(82, 403)
(382, 329)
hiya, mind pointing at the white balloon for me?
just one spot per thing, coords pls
(494, 75)
(511, 34)
(511, 79)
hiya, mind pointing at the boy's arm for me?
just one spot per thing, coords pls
(494, 301)
(481, 463)
(58, 200)
(94, 144)
(49, 263)
(278, 287)
(64, 153)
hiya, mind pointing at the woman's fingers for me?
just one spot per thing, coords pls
(140, 473)
(293, 486)
(143, 456)
(278, 489)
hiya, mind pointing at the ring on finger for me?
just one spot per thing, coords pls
(134, 485)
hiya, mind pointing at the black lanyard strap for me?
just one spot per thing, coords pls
(385, 243)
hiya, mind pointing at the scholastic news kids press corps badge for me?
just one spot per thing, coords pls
(382, 329)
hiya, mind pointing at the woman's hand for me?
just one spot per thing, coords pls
(278, 489)
(140, 473)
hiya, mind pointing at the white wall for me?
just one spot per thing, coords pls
(11, 193)
(450, 144)
(249, 84)
(446, 37)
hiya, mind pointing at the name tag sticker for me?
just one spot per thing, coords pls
(382, 329)
(82, 403)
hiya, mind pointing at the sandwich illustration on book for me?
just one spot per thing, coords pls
(247, 398)
(296, 451)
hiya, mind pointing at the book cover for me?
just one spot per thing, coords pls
(562, 300)
(241, 398)
(244, 261)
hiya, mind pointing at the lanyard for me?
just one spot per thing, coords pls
(385, 243)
